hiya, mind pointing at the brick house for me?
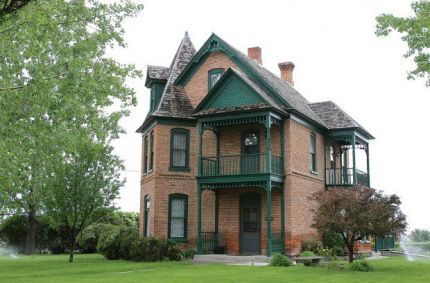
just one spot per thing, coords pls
(231, 152)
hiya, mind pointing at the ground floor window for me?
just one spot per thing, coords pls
(146, 210)
(178, 213)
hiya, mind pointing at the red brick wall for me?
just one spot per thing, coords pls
(197, 87)
(299, 183)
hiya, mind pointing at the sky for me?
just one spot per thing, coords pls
(337, 56)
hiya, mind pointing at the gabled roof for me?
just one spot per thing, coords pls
(335, 118)
(265, 100)
(292, 99)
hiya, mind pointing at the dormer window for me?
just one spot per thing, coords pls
(213, 76)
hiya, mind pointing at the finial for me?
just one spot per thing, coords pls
(186, 34)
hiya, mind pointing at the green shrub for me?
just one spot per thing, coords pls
(152, 249)
(312, 245)
(335, 265)
(189, 253)
(360, 265)
(332, 239)
(337, 251)
(87, 241)
(307, 254)
(281, 260)
(109, 243)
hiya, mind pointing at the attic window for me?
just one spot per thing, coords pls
(213, 76)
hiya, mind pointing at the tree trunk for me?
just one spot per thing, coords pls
(31, 232)
(71, 250)
(351, 252)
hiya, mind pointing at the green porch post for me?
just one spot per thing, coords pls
(354, 169)
(216, 211)
(268, 153)
(268, 218)
(283, 189)
(199, 218)
(282, 220)
(200, 149)
(282, 147)
(368, 164)
(325, 160)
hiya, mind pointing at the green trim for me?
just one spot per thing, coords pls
(238, 87)
(213, 72)
(185, 198)
(176, 121)
(151, 151)
(241, 198)
(268, 219)
(152, 121)
(199, 218)
(156, 93)
(185, 168)
(145, 155)
(214, 44)
(354, 167)
(314, 158)
(368, 165)
(216, 210)
(282, 220)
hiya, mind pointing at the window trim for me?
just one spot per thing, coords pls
(313, 156)
(151, 152)
(146, 212)
(145, 155)
(213, 72)
(187, 154)
(178, 196)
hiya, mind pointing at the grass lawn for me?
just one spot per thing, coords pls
(94, 268)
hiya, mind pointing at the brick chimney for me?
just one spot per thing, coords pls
(287, 69)
(255, 54)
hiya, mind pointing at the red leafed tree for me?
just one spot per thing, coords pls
(357, 212)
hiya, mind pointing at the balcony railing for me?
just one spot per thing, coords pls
(345, 177)
(243, 164)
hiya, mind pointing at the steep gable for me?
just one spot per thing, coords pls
(235, 91)
(278, 89)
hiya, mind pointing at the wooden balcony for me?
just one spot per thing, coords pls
(345, 177)
(244, 164)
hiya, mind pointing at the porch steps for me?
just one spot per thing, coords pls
(232, 259)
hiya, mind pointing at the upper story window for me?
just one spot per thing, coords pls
(151, 151)
(313, 152)
(213, 76)
(179, 149)
(178, 217)
(145, 155)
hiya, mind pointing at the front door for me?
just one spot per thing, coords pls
(250, 161)
(250, 224)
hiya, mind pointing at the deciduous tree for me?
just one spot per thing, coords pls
(357, 212)
(415, 32)
(55, 75)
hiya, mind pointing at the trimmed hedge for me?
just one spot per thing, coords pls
(124, 243)
(281, 260)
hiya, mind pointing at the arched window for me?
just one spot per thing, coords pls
(146, 211)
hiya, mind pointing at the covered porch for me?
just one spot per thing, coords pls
(243, 166)
(347, 151)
